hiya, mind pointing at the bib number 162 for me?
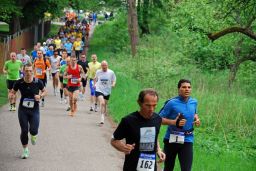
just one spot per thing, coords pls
(146, 162)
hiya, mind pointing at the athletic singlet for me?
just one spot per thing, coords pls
(73, 82)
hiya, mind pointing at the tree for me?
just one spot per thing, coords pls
(243, 14)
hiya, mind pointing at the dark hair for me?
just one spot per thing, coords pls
(56, 51)
(29, 64)
(144, 92)
(22, 49)
(64, 50)
(183, 81)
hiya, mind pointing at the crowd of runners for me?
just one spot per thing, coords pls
(63, 60)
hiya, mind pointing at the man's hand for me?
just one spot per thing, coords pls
(182, 122)
(161, 156)
(196, 120)
(37, 97)
(127, 148)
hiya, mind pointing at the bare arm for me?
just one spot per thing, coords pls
(121, 146)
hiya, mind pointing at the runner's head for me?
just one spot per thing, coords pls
(28, 71)
(68, 60)
(13, 56)
(184, 88)
(104, 65)
(83, 57)
(73, 60)
(64, 54)
(55, 53)
(39, 54)
(94, 58)
(23, 51)
(147, 101)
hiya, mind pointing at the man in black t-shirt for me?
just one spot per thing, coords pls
(31, 90)
(140, 129)
(84, 64)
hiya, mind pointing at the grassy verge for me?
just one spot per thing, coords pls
(226, 139)
(3, 90)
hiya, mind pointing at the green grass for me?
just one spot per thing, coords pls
(227, 136)
(3, 90)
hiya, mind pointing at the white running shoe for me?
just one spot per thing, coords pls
(102, 119)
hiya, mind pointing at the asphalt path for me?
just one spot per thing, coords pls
(64, 142)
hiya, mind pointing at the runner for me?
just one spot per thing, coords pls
(55, 65)
(41, 65)
(72, 73)
(65, 80)
(28, 112)
(180, 114)
(140, 130)
(24, 58)
(84, 64)
(12, 68)
(62, 62)
(93, 67)
(104, 80)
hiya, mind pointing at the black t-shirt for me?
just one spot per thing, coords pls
(143, 132)
(28, 90)
(84, 65)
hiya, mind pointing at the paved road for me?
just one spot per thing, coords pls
(64, 142)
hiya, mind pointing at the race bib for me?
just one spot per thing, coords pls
(177, 137)
(147, 138)
(74, 80)
(39, 71)
(146, 162)
(28, 103)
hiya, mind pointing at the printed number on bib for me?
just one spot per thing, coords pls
(28, 103)
(177, 137)
(39, 71)
(74, 80)
(146, 162)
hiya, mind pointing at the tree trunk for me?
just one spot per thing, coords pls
(133, 25)
(14, 25)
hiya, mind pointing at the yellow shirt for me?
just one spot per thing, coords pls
(79, 35)
(57, 42)
(93, 67)
(77, 45)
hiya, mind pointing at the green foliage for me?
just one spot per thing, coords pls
(8, 8)
(114, 34)
(226, 138)
(3, 92)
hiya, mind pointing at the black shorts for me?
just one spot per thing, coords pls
(61, 79)
(10, 84)
(44, 81)
(53, 74)
(84, 81)
(65, 85)
(97, 94)
(71, 89)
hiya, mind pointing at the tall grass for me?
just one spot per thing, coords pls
(227, 136)
(3, 90)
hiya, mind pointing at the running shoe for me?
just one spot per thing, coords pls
(33, 139)
(91, 109)
(61, 100)
(25, 153)
(68, 109)
(102, 119)
(10, 107)
(95, 108)
(13, 108)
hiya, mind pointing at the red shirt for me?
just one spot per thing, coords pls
(73, 82)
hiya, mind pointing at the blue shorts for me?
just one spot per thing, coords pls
(92, 88)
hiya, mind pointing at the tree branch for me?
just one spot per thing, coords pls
(245, 31)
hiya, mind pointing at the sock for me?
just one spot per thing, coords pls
(61, 93)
